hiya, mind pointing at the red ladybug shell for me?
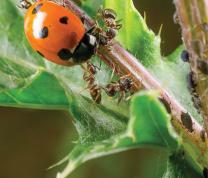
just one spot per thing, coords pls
(53, 31)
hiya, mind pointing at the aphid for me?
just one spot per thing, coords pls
(205, 172)
(89, 77)
(204, 27)
(203, 135)
(185, 56)
(192, 88)
(187, 121)
(166, 104)
(202, 65)
(122, 87)
(191, 82)
(175, 18)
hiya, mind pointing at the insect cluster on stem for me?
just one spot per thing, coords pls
(63, 38)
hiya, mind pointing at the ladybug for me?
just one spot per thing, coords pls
(57, 34)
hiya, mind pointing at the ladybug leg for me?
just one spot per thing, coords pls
(113, 72)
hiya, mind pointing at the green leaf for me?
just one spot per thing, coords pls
(14, 45)
(178, 167)
(149, 126)
(135, 35)
(91, 7)
(43, 91)
(17, 61)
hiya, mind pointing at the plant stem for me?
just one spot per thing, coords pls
(193, 18)
(124, 63)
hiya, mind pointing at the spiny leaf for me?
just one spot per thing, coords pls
(149, 125)
(43, 91)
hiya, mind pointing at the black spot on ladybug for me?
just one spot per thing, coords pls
(65, 54)
(202, 65)
(185, 56)
(205, 173)
(64, 20)
(43, 33)
(187, 121)
(203, 135)
(40, 53)
(166, 104)
(37, 8)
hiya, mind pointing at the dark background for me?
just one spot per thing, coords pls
(33, 140)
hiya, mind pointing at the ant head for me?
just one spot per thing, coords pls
(24, 4)
(125, 83)
(109, 14)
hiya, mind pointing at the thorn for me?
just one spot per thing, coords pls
(160, 30)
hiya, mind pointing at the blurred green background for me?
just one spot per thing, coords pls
(33, 140)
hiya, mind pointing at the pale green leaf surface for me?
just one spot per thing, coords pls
(43, 91)
(178, 167)
(149, 126)
(172, 73)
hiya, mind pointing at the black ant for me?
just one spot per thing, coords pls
(89, 77)
(108, 16)
(123, 86)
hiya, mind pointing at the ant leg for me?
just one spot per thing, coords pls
(126, 76)
(83, 67)
(129, 97)
(63, 3)
(99, 13)
(122, 95)
(18, 6)
(113, 72)
(97, 99)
